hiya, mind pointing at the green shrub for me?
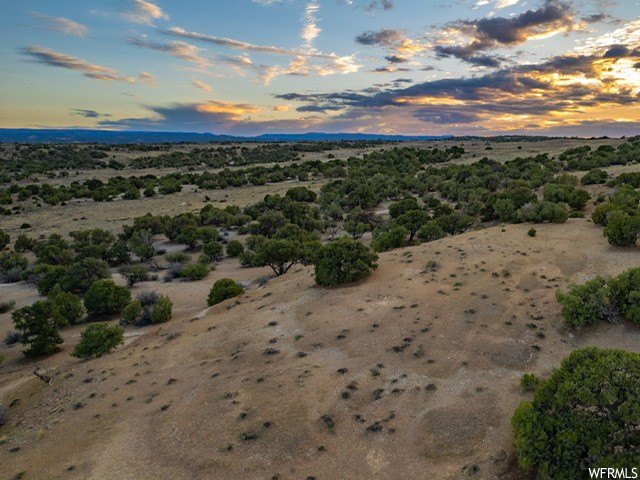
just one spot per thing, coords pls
(119, 253)
(584, 416)
(24, 243)
(532, 232)
(594, 176)
(584, 305)
(412, 220)
(4, 239)
(529, 382)
(213, 250)
(601, 212)
(343, 261)
(38, 329)
(134, 274)
(279, 254)
(301, 194)
(541, 212)
(141, 243)
(98, 339)
(384, 240)
(162, 310)
(82, 274)
(208, 234)
(131, 313)
(249, 258)
(431, 231)
(622, 229)
(7, 306)
(105, 297)
(578, 199)
(67, 308)
(177, 257)
(204, 258)
(12, 263)
(504, 209)
(625, 294)
(432, 266)
(235, 248)
(50, 276)
(195, 271)
(403, 206)
(454, 223)
(222, 290)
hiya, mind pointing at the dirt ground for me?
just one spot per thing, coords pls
(409, 374)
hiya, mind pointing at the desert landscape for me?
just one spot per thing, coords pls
(413, 371)
(320, 240)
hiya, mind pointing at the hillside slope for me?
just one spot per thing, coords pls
(410, 374)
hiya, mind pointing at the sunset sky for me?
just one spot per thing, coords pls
(245, 67)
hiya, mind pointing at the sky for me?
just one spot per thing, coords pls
(248, 67)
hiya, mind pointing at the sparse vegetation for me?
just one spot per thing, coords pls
(495, 288)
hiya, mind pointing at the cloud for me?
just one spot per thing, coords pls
(145, 12)
(227, 42)
(89, 113)
(63, 25)
(52, 58)
(201, 85)
(446, 115)
(389, 70)
(304, 62)
(563, 87)
(585, 128)
(385, 37)
(553, 17)
(392, 40)
(370, 5)
(192, 117)
(179, 49)
(146, 78)
(310, 30)
(628, 34)
(497, 3)
(395, 59)
(619, 51)
(213, 116)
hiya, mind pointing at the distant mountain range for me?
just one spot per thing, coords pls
(26, 135)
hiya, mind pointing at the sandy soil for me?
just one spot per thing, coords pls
(409, 374)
